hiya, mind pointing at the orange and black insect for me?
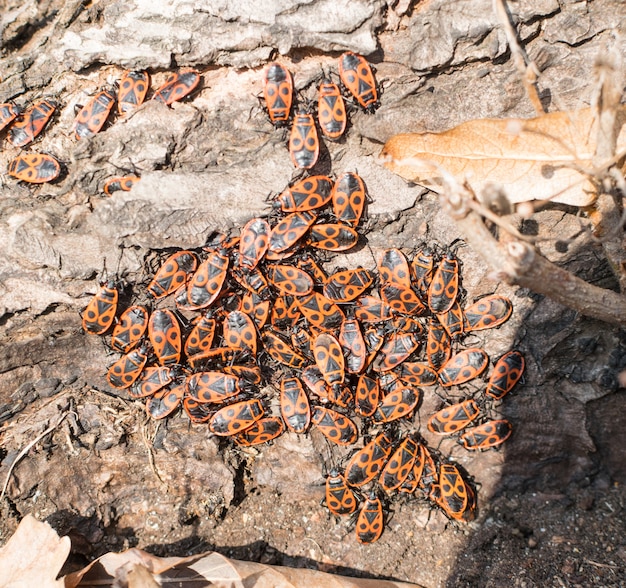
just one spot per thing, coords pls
(289, 279)
(304, 145)
(349, 198)
(285, 313)
(331, 110)
(372, 310)
(130, 328)
(310, 266)
(374, 337)
(94, 114)
(286, 254)
(177, 86)
(320, 312)
(454, 495)
(100, 312)
(370, 523)
(281, 351)
(25, 129)
(151, 380)
(411, 482)
(294, 405)
(398, 347)
(254, 241)
(334, 426)
(341, 396)
(237, 417)
(346, 285)
(123, 183)
(453, 418)
(221, 355)
(201, 336)
(303, 340)
(397, 404)
(133, 88)
(489, 434)
(444, 288)
(252, 280)
(314, 381)
(356, 75)
(418, 373)
(488, 312)
(206, 283)
(367, 396)
(453, 321)
(393, 268)
(438, 348)
(401, 299)
(506, 373)
(307, 194)
(165, 336)
(278, 92)
(290, 230)
(463, 367)
(422, 268)
(429, 473)
(407, 324)
(254, 306)
(332, 237)
(261, 431)
(198, 412)
(240, 331)
(389, 382)
(368, 461)
(174, 273)
(181, 300)
(399, 465)
(329, 359)
(353, 346)
(165, 402)
(124, 372)
(34, 168)
(214, 387)
(250, 373)
(340, 498)
(9, 112)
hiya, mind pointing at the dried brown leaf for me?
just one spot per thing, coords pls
(140, 577)
(542, 158)
(33, 556)
(211, 569)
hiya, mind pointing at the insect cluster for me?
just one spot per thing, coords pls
(130, 92)
(304, 145)
(251, 337)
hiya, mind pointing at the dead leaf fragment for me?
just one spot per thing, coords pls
(211, 569)
(535, 159)
(140, 577)
(33, 556)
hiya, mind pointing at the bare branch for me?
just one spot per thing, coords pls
(517, 262)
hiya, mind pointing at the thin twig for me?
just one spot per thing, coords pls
(601, 565)
(527, 68)
(28, 448)
(608, 214)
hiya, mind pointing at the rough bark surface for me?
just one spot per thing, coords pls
(551, 501)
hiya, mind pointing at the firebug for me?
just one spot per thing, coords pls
(94, 114)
